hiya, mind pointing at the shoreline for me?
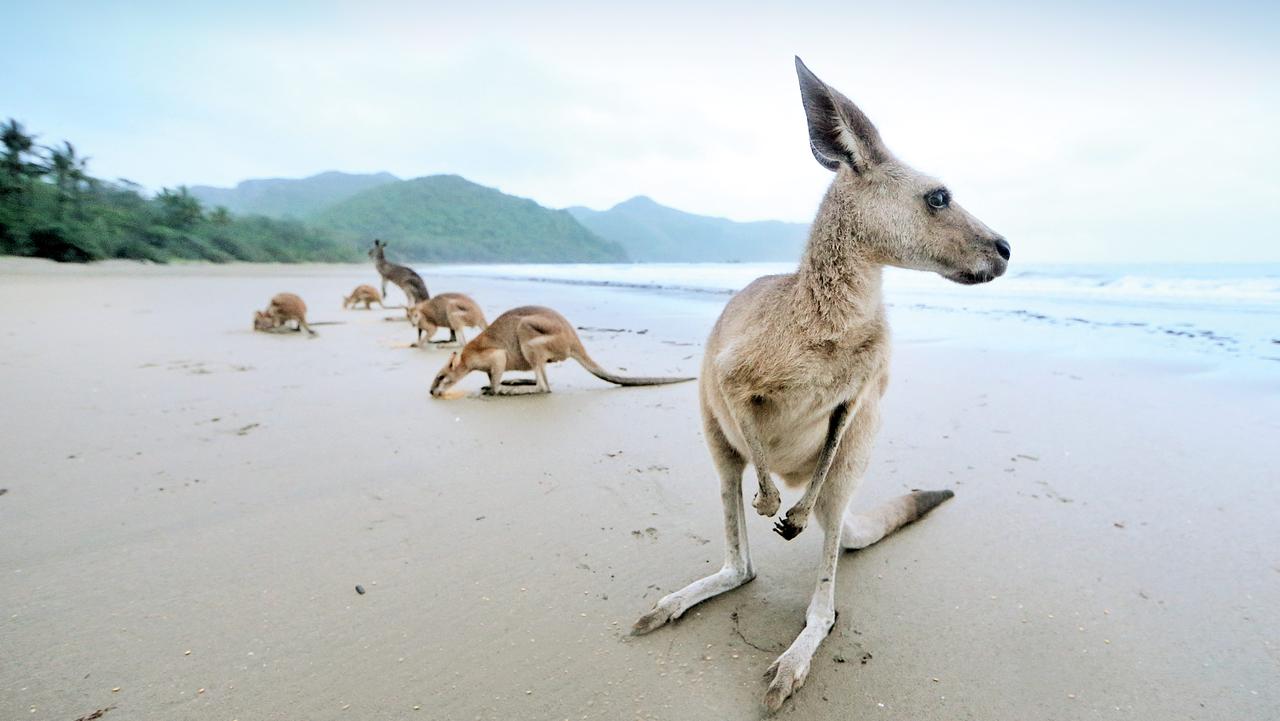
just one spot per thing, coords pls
(1229, 342)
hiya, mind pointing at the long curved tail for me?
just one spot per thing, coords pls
(604, 375)
(863, 529)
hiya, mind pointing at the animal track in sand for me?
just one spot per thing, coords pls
(650, 532)
(198, 368)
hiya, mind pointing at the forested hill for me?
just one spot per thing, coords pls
(51, 207)
(289, 197)
(651, 232)
(446, 218)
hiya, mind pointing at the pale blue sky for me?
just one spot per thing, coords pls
(1082, 131)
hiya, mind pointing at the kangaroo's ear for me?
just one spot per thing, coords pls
(838, 131)
(454, 360)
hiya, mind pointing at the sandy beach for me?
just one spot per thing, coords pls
(189, 507)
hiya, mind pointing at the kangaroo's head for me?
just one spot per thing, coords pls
(884, 211)
(376, 252)
(449, 376)
(262, 320)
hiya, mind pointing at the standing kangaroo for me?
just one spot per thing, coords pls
(405, 278)
(525, 339)
(796, 365)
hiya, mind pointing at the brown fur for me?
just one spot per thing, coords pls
(454, 311)
(525, 339)
(796, 365)
(405, 278)
(366, 294)
(284, 307)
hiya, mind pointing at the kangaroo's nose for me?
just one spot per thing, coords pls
(1002, 247)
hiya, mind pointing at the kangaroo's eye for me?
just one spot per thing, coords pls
(938, 199)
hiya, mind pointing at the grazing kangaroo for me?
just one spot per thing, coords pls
(366, 294)
(405, 278)
(795, 367)
(284, 307)
(524, 339)
(454, 311)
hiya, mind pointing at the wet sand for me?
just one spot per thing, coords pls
(189, 507)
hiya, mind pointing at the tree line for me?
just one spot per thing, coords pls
(51, 207)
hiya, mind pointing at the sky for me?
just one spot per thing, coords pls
(1085, 131)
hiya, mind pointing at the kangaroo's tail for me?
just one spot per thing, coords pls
(863, 529)
(594, 368)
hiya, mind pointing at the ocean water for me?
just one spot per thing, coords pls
(1219, 318)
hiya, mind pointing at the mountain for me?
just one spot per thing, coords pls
(446, 218)
(651, 232)
(289, 197)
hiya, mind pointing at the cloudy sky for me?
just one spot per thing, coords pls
(1087, 131)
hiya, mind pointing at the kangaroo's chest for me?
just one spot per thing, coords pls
(787, 395)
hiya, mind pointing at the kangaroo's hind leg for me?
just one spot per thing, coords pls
(537, 347)
(737, 568)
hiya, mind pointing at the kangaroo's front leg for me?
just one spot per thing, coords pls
(737, 568)
(767, 499)
(798, 515)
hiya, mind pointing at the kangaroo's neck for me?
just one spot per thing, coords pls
(380, 262)
(839, 284)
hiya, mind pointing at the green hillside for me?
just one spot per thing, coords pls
(289, 197)
(650, 232)
(51, 207)
(446, 218)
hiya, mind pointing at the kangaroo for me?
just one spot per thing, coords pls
(284, 307)
(523, 339)
(405, 278)
(447, 310)
(796, 364)
(366, 294)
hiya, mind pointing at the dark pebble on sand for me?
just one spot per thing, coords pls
(359, 589)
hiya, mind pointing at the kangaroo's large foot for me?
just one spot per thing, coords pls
(786, 675)
(673, 605)
(505, 390)
(520, 382)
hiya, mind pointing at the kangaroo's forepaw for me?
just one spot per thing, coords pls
(787, 675)
(654, 619)
(767, 502)
(790, 525)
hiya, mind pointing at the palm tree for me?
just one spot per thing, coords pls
(181, 209)
(69, 172)
(16, 144)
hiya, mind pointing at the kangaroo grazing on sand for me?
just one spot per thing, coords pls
(524, 339)
(405, 278)
(454, 311)
(796, 365)
(284, 307)
(366, 294)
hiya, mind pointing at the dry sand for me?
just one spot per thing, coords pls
(190, 506)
